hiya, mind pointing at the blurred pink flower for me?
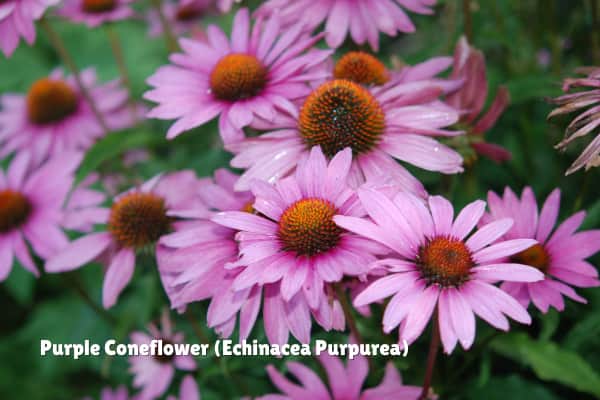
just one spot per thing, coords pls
(153, 374)
(16, 21)
(94, 13)
(436, 265)
(291, 240)
(55, 117)
(380, 124)
(256, 73)
(136, 221)
(469, 65)
(194, 265)
(182, 15)
(119, 393)
(586, 122)
(559, 256)
(345, 382)
(362, 19)
(35, 205)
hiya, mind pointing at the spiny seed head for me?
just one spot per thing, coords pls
(99, 6)
(188, 12)
(15, 208)
(445, 261)
(50, 100)
(307, 228)
(535, 256)
(237, 77)
(138, 219)
(360, 67)
(340, 114)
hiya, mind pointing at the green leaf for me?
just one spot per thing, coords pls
(512, 387)
(550, 362)
(113, 145)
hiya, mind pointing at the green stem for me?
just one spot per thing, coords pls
(68, 60)
(595, 33)
(168, 34)
(117, 51)
(74, 283)
(434, 345)
(468, 22)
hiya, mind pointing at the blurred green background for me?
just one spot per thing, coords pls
(530, 46)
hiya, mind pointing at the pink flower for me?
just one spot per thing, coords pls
(54, 116)
(469, 65)
(587, 122)
(437, 265)
(94, 13)
(137, 219)
(256, 73)
(16, 21)
(380, 124)
(153, 374)
(366, 69)
(182, 15)
(293, 242)
(119, 393)
(363, 19)
(186, 279)
(35, 206)
(345, 382)
(188, 390)
(560, 256)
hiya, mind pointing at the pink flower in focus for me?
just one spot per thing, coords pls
(559, 256)
(16, 21)
(362, 19)
(55, 117)
(586, 122)
(379, 124)
(153, 374)
(94, 13)
(256, 73)
(469, 65)
(292, 243)
(439, 264)
(137, 219)
(194, 261)
(35, 206)
(345, 382)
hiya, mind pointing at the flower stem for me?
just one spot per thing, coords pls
(168, 34)
(595, 33)
(64, 54)
(468, 23)
(73, 281)
(433, 349)
(347, 308)
(117, 51)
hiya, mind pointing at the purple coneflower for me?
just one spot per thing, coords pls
(439, 264)
(255, 73)
(54, 116)
(379, 124)
(586, 122)
(94, 13)
(16, 21)
(35, 206)
(182, 16)
(362, 19)
(345, 382)
(469, 66)
(154, 373)
(137, 219)
(560, 256)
